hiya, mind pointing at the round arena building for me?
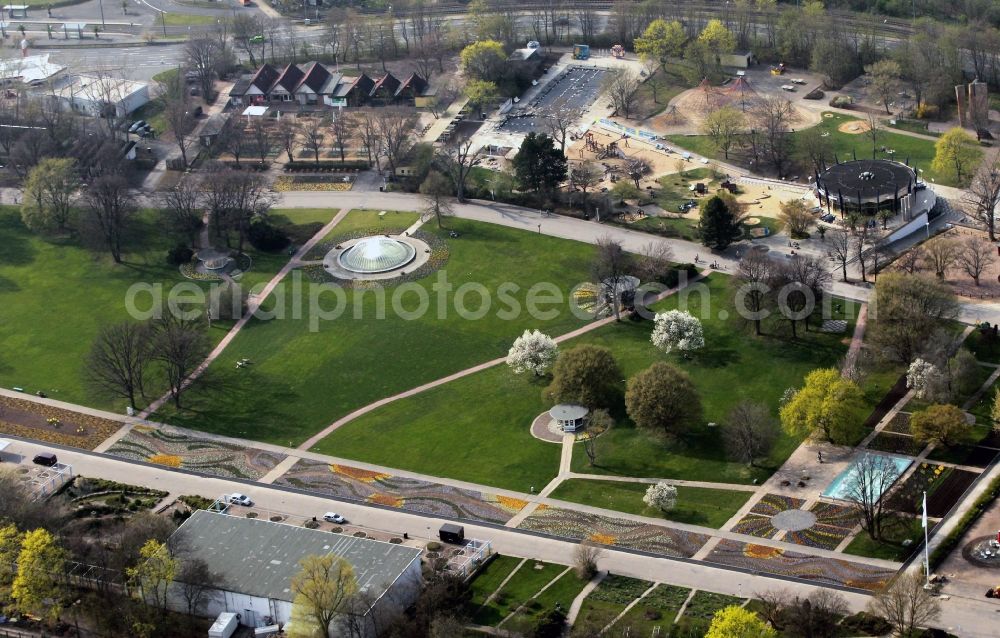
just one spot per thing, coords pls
(868, 186)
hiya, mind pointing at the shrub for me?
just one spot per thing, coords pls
(311, 525)
(927, 111)
(434, 546)
(179, 254)
(265, 237)
(277, 519)
(672, 277)
(337, 530)
(866, 624)
(251, 514)
(841, 101)
(196, 502)
(360, 535)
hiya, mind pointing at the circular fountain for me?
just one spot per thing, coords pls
(983, 552)
(213, 261)
(374, 255)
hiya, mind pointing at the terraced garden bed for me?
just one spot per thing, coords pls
(926, 477)
(949, 491)
(31, 420)
(657, 609)
(895, 444)
(525, 583)
(96, 497)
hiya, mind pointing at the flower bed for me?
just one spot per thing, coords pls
(173, 448)
(899, 424)
(311, 183)
(380, 488)
(618, 532)
(925, 478)
(895, 444)
(772, 504)
(777, 561)
(948, 491)
(31, 420)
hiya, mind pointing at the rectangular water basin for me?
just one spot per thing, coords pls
(840, 486)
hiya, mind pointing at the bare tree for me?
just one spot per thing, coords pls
(196, 582)
(559, 122)
(906, 604)
(176, 109)
(802, 281)
(840, 249)
(910, 261)
(395, 133)
(636, 169)
(976, 255)
(117, 364)
(260, 131)
(621, 87)
(611, 267)
(983, 194)
(287, 134)
(111, 210)
(235, 139)
(753, 290)
(749, 432)
(457, 160)
(313, 135)
(341, 129)
(205, 56)
(654, 261)
(437, 191)
(245, 27)
(859, 247)
(873, 477)
(873, 131)
(774, 115)
(940, 254)
(367, 126)
(180, 346)
(585, 558)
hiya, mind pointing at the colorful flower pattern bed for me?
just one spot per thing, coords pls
(40, 422)
(358, 484)
(174, 448)
(833, 524)
(758, 521)
(618, 532)
(773, 560)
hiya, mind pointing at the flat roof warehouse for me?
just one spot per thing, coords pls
(260, 558)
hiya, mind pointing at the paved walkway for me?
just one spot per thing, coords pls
(593, 325)
(252, 306)
(856, 340)
(577, 604)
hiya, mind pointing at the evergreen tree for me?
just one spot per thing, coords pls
(718, 226)
(539, 164)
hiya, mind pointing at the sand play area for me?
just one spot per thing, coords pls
(687, 111)
(854, 127)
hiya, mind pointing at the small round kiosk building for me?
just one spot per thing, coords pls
(868, 186)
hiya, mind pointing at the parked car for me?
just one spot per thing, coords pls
(257, 39)
(240, 499)
(333, 517)
(48, 459)
(828, 218)
(136, 125)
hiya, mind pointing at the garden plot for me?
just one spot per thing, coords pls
(174, 448)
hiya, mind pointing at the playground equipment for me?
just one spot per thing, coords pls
(603, 151)
(618, 51)
(581, 51)
(778, 70)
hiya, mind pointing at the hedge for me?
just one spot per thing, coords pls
(300, 165)
(968, 519)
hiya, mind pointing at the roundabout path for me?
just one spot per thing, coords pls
(319, 436)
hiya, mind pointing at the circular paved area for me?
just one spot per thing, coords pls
(793, 520)
(540, 429)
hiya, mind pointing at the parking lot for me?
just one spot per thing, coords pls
(573, 90)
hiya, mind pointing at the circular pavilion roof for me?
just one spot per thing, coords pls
(871, 179)
(376, 254)
(568, 412)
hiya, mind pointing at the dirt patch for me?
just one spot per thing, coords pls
(854, 127)
(41, 422)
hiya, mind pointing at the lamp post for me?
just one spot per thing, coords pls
(101, 3)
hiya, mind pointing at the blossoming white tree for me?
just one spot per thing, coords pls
(532, 352)
(927, 380)
(677, 330)
(662, 496)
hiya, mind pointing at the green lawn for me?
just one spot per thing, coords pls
(443, 431)
(891, 546)
(56, 294)
(658, 609)
(559, 594)
(488, 580)
(920, 152)
(695, 505)
(984, 346)
(607, 601)
(525, 583)
(187, 19)
(308, 371)
(914, 126)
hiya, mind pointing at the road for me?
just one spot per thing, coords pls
(138, 63)
(968, 618)
(589, 232)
